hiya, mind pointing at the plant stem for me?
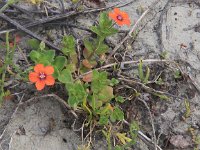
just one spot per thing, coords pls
(9, 2)
(5, 67)
(112, 25)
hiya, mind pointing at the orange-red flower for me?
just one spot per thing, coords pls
(120, 17)
(42, 76)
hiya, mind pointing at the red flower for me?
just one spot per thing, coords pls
(120, 17)
(42, 76)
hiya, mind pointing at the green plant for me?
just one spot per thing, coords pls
(94, 92)
(197, 142)
(143, 78)
(187, 107)
(107, 134)
(96, 47)
(159, 81)
(95, 98)
(177, 74)
(163, 55)
(7, 61)
(128, 142)
(42, 55)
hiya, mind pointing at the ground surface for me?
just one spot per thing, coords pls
(171, 26)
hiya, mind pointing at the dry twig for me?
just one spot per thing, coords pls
(127, 63)
(60, 100)
(67, 15)
(20, 27)
(152, 122)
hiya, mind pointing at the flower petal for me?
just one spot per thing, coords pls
(117, 11)
(124, 15)
(112, 16)
(33, 77)
(50, 80)
(120, 23)
(125, 18)
(40, 84)
(39, 68)
(127, 22)
(48, 70)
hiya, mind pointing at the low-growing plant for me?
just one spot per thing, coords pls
(95, 48)
(128, 142)
(187, 107)
(143, 78)
(177, 74)
(7, 61)
(93, 93)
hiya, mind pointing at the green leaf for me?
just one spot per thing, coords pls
(73, 58)
(42, 46)
(68, 45)
(197, 140)
(177, 74)
(163, 54)
(73, 101)
(117, 115)
(162, 96)
(106, 94)
(98, 104)
(45, 62)
(104, 21)
(65, 76)
(114, 82)
(60, 62)
(134, 128)
(35, 56)
(88, 45)
(56, 73)
(103, 33)
(103, 120)
(99, 81)
(146, 79)
(76, 93)
(140, 70)
(102, 49)
(118, 148)
(93, 102)
(113, 118)
(96, 30)
(71, 67)
(119, 99)
(187, 107)
(34, 44)
(123, 138)
(104, 29)
(109, 32)
(159, 81)
(48, 55)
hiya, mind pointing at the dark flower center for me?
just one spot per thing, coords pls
(42, 76)
(119, 17)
